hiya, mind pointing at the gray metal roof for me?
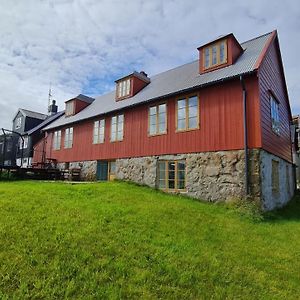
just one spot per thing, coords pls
(32, 114)
(83, 98)
(46, 122)
(174, 81)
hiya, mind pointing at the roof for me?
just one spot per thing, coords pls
(83, 98)
(141, 75)
(175, 81)
(46, 122)
(31, 114)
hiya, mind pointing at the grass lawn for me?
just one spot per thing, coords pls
(120, 241)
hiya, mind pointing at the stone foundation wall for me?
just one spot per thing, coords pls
(88, 169)
(210, 176)
(277, 186)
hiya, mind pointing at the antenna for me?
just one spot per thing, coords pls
(49, 97)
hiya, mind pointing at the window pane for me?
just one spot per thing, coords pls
(128, 87)
(193, 122)
(152, 110)
(162, 108)
(153, 120)
(181, 185)
(162, 184)
(161, 165)
(222, 52)
(171, 166)
(214, 55)
(181, 114)
(153, 129)
(121, 118)
(113, 136)
(120, 135)
(171, 184)
(193, 101)
(181, 103)
(181, 124)
(162, 127)
(114, 120)
(181, 165)
(193, 111)
(162, 118)
(206, 57)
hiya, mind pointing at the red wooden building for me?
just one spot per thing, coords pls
(216, 128)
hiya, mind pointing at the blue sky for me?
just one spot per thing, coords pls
(83, 46)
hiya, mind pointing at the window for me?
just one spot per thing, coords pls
(275, 115)
(56, 140)
(69, 137)
(69, 108)
(171, 175)
(18, 122)
(117, 128)
(23, 143)
(215, 54)
(123, 88)
(98, 136)
(187, 113)
(158, 119)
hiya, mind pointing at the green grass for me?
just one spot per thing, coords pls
(120, 241)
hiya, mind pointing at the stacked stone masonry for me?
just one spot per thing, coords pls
(210, 176)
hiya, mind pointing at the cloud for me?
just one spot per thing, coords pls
(83, 46)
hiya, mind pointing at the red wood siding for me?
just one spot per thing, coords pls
(79, 105)
(221, 128)
(271, 77)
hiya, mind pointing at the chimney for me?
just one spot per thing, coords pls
(144, 73)
(52, 110)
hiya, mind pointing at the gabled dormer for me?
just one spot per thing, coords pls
(130, 85)
(75, 105)
(220, 53)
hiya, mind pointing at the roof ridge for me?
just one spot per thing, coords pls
(260, 36)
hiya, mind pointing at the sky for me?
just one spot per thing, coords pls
(83, 46)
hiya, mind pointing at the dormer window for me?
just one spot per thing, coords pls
(131, 84)
(18, 122)
(124, 88)
(69, 108)
(215, 54)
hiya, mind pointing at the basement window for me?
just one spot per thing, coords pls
(275, 115)
(171, 175)
(98, 136)
(68, 137)
(56, 140)
(158, 119)
(187, 113)
(117, 128)
(215, 54)
(123, 88)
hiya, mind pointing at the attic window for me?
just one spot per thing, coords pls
(215, 54)
(18, 122)
(69, 108)
(123, 88)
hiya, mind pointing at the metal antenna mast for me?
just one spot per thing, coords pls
(49, 98)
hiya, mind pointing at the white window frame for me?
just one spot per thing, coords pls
(68, 138)
(18, 123)
(117, 128)
(275, 119)
(57, 140)
(124, 88)
(99, 131)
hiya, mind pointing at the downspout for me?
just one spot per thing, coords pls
(245, 135)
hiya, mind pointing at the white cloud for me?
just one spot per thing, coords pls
(83, 46)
